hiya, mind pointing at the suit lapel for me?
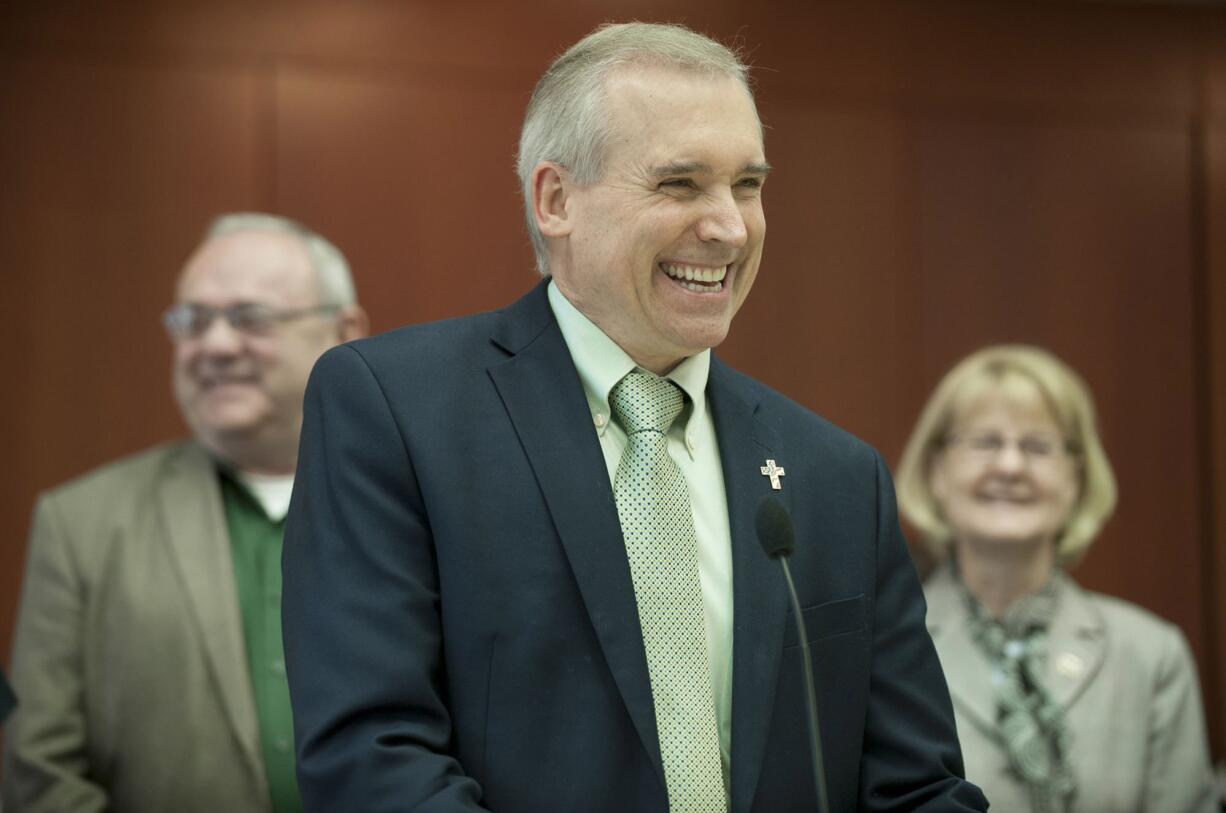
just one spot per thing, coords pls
(759, 597)
(191, 507)
(544, 399)
(1076, 644)
(971, 689)
(1075, 648)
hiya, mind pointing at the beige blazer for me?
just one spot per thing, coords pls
(128, 661)
(1128, 685)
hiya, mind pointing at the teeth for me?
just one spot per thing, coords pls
(711, 277)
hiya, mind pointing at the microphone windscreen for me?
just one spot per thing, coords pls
(775, 530)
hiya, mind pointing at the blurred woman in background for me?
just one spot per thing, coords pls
(1066, 700)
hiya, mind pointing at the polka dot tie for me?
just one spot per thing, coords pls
(653, 504)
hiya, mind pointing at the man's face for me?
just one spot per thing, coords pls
(243, 388)
(664, 248)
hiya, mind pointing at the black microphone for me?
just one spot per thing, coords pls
(778, 538)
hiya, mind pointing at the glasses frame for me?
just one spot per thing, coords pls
(975, 446)
(180, 321)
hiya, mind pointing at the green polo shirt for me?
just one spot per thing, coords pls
(255, 546)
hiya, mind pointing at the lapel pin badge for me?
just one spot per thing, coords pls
(774, 472)
(1069, 665)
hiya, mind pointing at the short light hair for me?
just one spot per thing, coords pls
(332, 276)
(567, 120)
(1067, 399)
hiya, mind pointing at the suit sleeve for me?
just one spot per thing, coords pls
(360, 610)
(46, 759)
(911, 760)
(1178, 777)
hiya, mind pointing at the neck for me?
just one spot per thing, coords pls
(659, 363)
(998, 574)
(255, 458)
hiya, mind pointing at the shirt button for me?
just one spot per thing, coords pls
(600, 418)
(281, 744)
(278, 667)
(690, 442)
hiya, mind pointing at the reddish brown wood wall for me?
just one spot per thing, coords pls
(948, 175)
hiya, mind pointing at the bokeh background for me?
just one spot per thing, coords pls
(947, 175)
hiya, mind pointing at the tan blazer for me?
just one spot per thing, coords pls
(128, 661)
(1128, 685)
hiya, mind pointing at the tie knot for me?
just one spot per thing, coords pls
(643, 401)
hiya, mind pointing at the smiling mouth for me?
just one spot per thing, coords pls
(212, 383)
(1005, 499)
(699, 279)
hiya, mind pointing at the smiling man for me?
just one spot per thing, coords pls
(520, 568)
(148, 647)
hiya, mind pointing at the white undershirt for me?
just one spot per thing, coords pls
(271, 491)
(693, 446)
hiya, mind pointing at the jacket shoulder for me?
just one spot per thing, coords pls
(1133, 626)
(795, 422)
(113, 483)
(437, 345)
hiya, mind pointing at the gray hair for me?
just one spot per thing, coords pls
(567, 120)
(332, 275)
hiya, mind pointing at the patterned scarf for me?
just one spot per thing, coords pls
(1030, 723)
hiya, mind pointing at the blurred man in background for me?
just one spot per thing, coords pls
(148, 644)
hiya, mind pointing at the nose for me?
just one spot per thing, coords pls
(723, 221)
(1010, 458)
(220, 337)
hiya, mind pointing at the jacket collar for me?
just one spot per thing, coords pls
(546, 403)
(190, 502)
(1076, 646)
(759, 597)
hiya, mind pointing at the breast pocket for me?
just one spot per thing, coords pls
(838, 617)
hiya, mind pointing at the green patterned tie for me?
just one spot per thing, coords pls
(653, 504)
(1029, 721)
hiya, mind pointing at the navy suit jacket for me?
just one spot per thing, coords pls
(7, 700)
(460, 625)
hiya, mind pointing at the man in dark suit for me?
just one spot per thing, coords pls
(521, 572)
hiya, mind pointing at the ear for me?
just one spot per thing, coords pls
(352, 323)
(551, 192)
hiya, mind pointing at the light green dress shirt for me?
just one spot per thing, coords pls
(692, 444)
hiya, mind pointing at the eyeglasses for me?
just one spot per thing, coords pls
(1037, 449)
(189, 320)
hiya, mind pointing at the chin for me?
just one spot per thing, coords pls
(229, 418)
(1013, 536)
(700, 337)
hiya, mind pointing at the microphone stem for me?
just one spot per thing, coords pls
(815, 743)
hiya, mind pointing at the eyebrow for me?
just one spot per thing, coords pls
(695, 167)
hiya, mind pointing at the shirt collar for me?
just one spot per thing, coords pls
(602, 363)
(270, 492)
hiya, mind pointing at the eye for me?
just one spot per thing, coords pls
(251, 317)
(985, 443)
(192, 320)
(749, 188)
(1038, 446)
(678, 183)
